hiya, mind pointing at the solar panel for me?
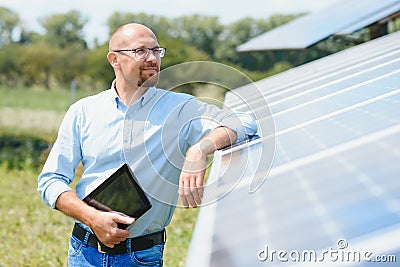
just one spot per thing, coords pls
(386, 12)
(332, 195)
(344, 16)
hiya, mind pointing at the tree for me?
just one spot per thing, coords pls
(10, 69)
(62, 30)
(243, 30)
(9, 20)
(98, 72)
(69, 64)
(38, 64)
(199, 31)
(28, 37)
(158, 24)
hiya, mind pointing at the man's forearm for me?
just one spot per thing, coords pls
(69, 204)
(218, 138)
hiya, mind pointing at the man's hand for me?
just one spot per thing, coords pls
(194, 166)
(192, 177)
(106, 228)
(104, 224)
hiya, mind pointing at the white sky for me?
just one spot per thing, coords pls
(98, 11)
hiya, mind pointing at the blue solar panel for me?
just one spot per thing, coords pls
(343, 17)
(368, 20)
(334, 184)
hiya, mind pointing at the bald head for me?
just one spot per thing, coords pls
(123, 36)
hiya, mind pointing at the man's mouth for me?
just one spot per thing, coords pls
(150, 69)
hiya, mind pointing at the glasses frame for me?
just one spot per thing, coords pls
(161, 51)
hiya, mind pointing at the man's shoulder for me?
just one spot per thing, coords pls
(167, 95)
(91, 102)
(96, 99)
(101, 96)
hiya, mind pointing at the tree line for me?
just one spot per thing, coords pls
(62, 54)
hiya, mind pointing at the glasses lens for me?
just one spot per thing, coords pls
(162, 52)
(159, 51)
(144, 52)
(141, 53)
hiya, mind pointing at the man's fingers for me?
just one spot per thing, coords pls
(189, 196)
(185, 203)
(194, 190)
(189, 191)
(198, 196)
(107, 229)
(124, 219)
(181, 192)
(200, 188)
(184, 192)
(116, 236)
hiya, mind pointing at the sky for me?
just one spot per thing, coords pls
(98, 11)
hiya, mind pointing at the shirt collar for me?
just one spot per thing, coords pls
(114, 94)
(146, 97)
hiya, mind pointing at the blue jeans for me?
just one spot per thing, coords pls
(82, 255)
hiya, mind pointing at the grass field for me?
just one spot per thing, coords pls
(32, 234)
(39, 99)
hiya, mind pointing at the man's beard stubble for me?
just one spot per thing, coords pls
(146, 81)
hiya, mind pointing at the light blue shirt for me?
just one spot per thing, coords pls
(152, 136)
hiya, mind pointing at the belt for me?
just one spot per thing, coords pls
(136, 243)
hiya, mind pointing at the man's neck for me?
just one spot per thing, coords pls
(129, 94)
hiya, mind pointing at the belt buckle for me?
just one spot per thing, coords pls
(99, 249)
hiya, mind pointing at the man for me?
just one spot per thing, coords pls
(162, 135)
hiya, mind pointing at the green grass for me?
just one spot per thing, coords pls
(32, 234)
(39, 99)
(179, 233)
(59, 100)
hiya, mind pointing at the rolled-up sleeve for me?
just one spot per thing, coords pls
(242, 123)
(205, 117)
(59, 169)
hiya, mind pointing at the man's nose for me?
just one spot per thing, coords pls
(150, 56)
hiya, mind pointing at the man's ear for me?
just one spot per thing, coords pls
(113, 59)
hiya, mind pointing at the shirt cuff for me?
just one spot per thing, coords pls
(54, 190)
(232, 123)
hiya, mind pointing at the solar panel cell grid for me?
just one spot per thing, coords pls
(314, 205)
(334, 178)
(308, 74)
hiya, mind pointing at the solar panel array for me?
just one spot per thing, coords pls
(332, 195)
(344, 17)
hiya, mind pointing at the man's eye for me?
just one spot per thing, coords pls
(139, 51)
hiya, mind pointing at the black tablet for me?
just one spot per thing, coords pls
(120, 193)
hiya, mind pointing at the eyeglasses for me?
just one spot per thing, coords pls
(143, 53)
